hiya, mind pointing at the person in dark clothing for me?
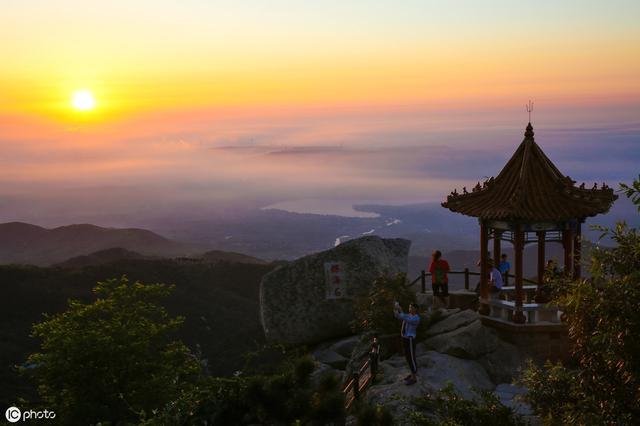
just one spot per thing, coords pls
(410, 323)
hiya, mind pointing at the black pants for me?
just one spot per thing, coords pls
(409, 344)
(440, 289)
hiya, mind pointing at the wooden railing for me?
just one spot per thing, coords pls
(360, 380)
(466, 272)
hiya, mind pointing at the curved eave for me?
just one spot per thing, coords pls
(571, 203)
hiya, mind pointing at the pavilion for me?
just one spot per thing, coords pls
(530, 201)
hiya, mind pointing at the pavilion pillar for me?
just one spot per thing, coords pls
(484, 281)
(567, 243)
(497, 235)
(518, 315)
(577, 252)
(541, 256)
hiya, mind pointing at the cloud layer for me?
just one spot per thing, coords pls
(210, 159)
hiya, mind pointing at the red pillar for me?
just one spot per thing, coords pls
(541, 257)
(484, 290)
(577, 252)
(518, 315)
(496, 247)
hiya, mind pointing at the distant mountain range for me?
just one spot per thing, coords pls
(23, 243)
(103, 257)
(265, 234)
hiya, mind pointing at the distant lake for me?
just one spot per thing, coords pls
(323, 206)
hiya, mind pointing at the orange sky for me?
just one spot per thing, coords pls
(396, 100)
(143, 57)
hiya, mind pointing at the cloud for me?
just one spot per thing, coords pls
(213, 159)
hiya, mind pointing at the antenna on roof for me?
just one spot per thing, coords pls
(529, 109)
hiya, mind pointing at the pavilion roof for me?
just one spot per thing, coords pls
(530, 188)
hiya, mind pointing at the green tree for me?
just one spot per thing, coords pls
(603, 319)
(374, 312)
(113, 360)
(632, 191)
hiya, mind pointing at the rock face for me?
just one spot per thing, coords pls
(469, 341)
(293, 298)
(464, 375)
(461, 351)
(463, 335)
(435, 370)
(453, 322)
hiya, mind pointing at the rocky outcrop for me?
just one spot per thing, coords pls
(452, 322)
(294, 305)
(503, 363)
(470, 341)
(439, 369)
(435, 371)
(460, 351)
(463, 335)
(331, 358)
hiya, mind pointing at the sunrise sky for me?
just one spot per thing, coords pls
(215, 101)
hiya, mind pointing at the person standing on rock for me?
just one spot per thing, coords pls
(410, 323)
(439, 279)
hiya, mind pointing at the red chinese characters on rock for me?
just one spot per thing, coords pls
(335, 282)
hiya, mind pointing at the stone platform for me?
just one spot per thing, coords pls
(541, 340)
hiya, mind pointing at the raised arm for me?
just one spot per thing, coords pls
(409, 319)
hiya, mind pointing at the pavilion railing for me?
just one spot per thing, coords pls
(422, 278)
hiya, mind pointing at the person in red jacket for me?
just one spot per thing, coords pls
(439, 280)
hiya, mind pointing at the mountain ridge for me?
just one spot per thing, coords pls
(24, 243)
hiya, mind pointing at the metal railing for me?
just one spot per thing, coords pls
(466, 272)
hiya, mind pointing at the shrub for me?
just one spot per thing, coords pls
(373, 415)
(374, 312)
(446, 407)
(288, 397)
(554, 392)
(603, 318)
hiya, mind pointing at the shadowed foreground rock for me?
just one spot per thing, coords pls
(460, 351)
(294, 306)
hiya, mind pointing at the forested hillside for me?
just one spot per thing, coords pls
(219, 301)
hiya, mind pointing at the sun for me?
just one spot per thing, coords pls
(83, 100)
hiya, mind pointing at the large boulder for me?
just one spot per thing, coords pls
(504, 363)
(452, 322)
(296, 307)
(471, 341)
(331, 358)
(438, 369)
(346, 346)
(435, 371)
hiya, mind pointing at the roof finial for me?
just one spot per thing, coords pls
(528, 134)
